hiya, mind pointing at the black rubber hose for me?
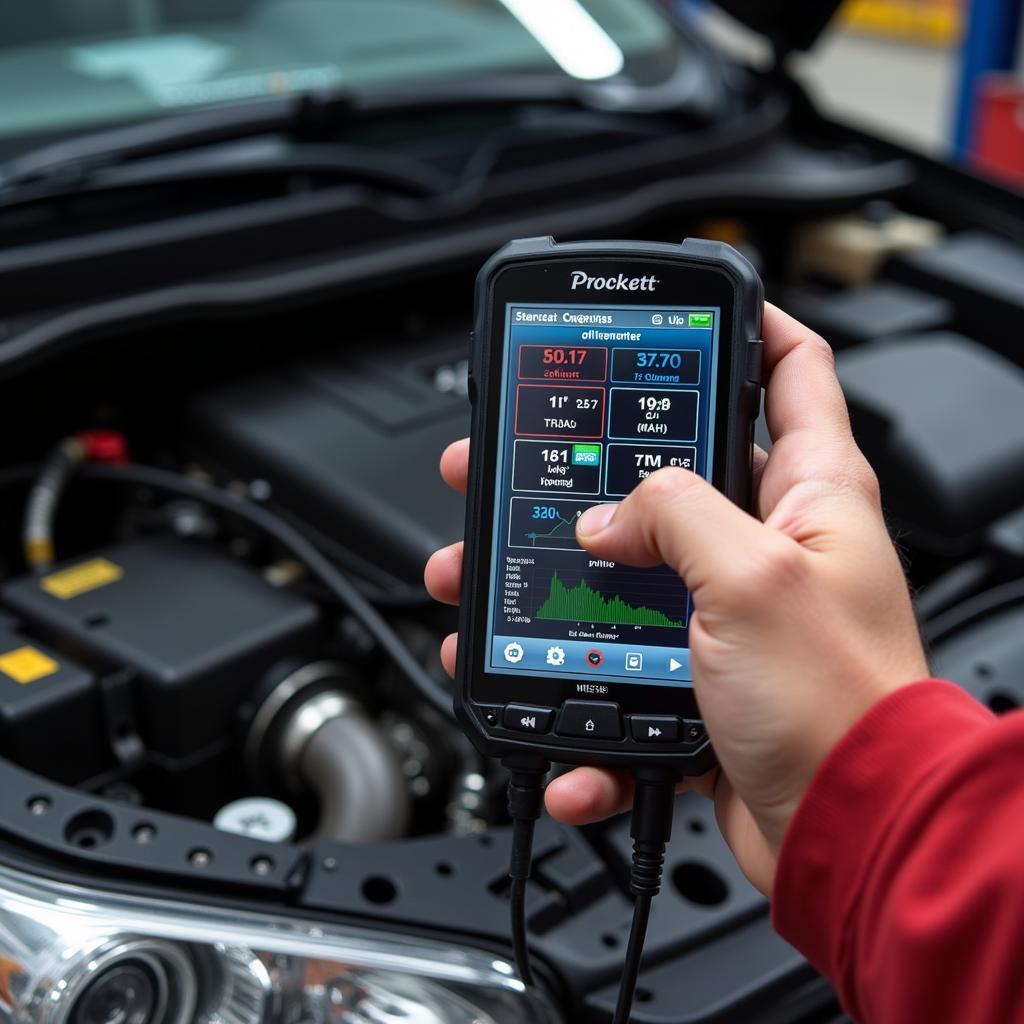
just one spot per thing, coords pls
(953, 586)
(980, 606)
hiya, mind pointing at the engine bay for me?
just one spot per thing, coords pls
(186, 704)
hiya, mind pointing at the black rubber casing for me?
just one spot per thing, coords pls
(697, 272)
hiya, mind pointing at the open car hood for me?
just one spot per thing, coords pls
(789, 24)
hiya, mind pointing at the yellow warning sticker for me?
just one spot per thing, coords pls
(81, 578)
(26, 664)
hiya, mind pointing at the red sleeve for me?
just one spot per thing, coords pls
(901, 877)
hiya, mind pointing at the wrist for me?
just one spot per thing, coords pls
(821, 735)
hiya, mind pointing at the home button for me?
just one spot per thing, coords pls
(590, 718)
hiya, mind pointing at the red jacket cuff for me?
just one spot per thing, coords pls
(850, 806)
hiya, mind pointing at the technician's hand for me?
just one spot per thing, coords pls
(802, 618)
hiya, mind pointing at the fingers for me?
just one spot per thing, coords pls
(455, 465)
(803, 391)
(678, 518)
(449, 649)
(588, 794)
(808, 420)
(759, 461)
(442, 574)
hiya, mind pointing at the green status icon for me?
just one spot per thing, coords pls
(586, 455)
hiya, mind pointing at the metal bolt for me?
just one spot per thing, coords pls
(330, 863)
(262, 865)
(260, 490)
(144, 834)
(39, 806)
(200, 858)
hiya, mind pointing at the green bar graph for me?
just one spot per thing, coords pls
(584, 604)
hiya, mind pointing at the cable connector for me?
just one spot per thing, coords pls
(527, 775)
(651, 829)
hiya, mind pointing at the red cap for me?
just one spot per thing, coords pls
(105, 446)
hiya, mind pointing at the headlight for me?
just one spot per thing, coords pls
(71, 955)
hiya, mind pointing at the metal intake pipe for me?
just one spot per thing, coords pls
(354, 771)
(315, 737)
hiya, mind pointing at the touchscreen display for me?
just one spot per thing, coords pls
(593, 400)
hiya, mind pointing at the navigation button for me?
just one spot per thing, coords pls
(583, 718)
(526, 718)
(654, 728)
(673, 665)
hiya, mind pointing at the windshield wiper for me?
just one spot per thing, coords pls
(72, 162)
(263, 155)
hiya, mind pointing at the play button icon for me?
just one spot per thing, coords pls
(673, 665)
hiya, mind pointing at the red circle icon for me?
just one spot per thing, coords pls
(594, 657)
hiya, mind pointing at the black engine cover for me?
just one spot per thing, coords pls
(198, 629)
(349, 444)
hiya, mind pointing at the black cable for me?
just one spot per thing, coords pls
(651, 829)
(517, 914)
(525, 801)
(634, 952)
(289, 538)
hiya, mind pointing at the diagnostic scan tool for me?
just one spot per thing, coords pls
(594, 365)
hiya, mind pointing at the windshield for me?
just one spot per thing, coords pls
(66, 64)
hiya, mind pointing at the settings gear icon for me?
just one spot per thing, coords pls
(556, 656)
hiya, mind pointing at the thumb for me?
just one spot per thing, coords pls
(677, 517)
